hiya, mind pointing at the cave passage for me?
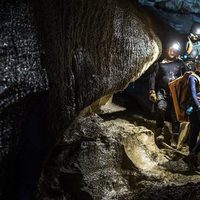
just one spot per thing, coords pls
(75, 117)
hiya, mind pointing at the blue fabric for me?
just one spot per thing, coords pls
(194, 146)
(193, 82)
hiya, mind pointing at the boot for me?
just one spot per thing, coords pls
(160, 136)
(160, 139)
(174, 140)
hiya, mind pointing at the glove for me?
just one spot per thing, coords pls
(152, 96)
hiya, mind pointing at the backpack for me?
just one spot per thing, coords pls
(179, 90)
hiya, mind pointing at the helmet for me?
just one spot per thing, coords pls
(173, 50)
(176, 46)
(195, 29)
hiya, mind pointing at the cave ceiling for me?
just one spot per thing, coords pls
(179, 14)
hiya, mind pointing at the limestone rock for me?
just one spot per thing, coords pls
(21, 73)
(179, 14)
(112, 159)
(99, 49)
(182, 6)
(88, 49)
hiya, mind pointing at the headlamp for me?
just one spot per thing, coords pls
(176, 46)
(197, 31)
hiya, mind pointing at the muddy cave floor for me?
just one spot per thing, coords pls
(122, 153)
(181, 183)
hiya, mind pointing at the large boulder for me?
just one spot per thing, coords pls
(114, 159)
(93, 48)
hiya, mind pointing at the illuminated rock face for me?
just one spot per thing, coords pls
(92, 49)
(89, 49)
(114, 159)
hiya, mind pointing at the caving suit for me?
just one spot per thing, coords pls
(163, 73)
(194, 85)
(195, 50)
(190, 58)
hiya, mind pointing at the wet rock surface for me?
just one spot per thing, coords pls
(21, 74)
(93, 157)
(179, 14)
(111, 158)
(23, 82)
(92, 49)
(112, 43)
(21, 71)
(88, 48)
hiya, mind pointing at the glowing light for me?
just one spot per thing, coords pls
(176, 46)
(198, 31)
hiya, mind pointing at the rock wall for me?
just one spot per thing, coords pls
(23, 85)
(179, 14)
(104, 159)
(182, 6)
(93, 48)
(88, 48)
(185, 7)
(21, 72)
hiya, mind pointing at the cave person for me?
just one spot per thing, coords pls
(192, 51)
(193, 46)
(165, 71)
(194, 117)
